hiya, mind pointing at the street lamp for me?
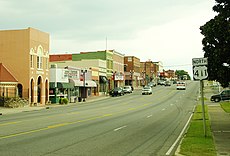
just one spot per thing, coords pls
(131, 76)
(84, 94)
(143, 76)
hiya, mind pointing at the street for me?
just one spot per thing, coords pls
(133, 124)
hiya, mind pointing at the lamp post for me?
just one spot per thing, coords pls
(131, 76)
(143, 76)
(84, 94)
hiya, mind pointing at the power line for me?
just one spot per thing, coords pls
(181, 65)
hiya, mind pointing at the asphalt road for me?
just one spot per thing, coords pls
(133, 124)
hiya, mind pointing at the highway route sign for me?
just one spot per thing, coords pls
(200, 72)
(199, 61)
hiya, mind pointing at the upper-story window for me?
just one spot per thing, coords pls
(47, 63)
(39, 58)
(31, 61)
(31, 58)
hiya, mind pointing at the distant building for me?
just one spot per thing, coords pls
(133, 75)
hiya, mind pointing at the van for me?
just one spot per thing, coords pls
(181, 85)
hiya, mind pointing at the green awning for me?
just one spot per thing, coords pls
(62, 85)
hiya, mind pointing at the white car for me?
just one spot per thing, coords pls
(147, 90)
(180, 85)
(127, 89)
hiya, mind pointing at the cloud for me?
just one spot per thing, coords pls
(165, 31)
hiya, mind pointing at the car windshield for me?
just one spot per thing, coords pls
(146, 87)
(116, 89)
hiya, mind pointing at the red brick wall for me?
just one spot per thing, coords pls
(60, 57)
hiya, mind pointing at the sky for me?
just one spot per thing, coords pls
(156, 30)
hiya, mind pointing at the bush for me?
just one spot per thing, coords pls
(15, 102)
(63, 101)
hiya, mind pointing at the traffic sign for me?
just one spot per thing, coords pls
(200, 72)
(199, 61)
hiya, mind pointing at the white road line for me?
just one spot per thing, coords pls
(117, 129)
(163, 109)
(180, 136)
(171, 104)
(149, 116)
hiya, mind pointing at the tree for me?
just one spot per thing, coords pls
(182, 75)
(216, 43)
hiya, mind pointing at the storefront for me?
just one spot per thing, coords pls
(61, 90)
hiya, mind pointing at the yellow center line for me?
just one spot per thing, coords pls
(69, 123)
(9, 123)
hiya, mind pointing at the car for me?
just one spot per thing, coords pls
(152, 84)
(181, 85)
(127, 89)
(161, 82)
(223, 95)
(167, 83)
(147, 90)
(118, 91)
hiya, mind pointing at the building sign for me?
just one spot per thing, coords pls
(118, 76)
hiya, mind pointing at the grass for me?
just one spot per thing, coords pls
(195, 143)
(225, 106)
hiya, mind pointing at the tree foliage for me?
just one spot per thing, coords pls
(182, 75)
(216, 43)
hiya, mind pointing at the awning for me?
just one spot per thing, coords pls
(61, 85)
(78, 83)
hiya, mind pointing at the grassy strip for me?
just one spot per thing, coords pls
(194, 143)
(225, 106)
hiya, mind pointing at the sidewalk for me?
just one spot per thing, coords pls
(4, 110)
(220, 124)
(220, 127)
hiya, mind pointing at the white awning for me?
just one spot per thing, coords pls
(78, 83)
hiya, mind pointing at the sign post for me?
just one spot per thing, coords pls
(200, 72)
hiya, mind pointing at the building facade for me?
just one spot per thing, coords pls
(132, 71)
(118, 69)
(25, 52)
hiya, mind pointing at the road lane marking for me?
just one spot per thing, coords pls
(69, 123)
(171, 104)
(117, 129)
(163, 109)
(58, 125)
(9, 123)
(105, 115)
(149, 116)
(180, 136)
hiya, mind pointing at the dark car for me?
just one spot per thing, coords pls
(152, 84)
(224, 95)
(118, 91)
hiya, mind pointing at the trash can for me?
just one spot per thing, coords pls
(79, 99)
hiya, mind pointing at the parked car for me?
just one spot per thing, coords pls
(152, 84)
(147, 90)
(167, 83)
(118, 91)
(223, 95)
(181, 85)
(127, 89)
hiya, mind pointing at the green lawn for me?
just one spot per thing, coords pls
(195, 143)
(225, 106)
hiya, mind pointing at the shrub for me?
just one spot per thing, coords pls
(63, 101)
(15, 102)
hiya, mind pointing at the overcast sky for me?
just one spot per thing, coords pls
(159, 30)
